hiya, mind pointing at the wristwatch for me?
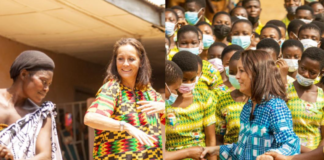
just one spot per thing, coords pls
(122, 124)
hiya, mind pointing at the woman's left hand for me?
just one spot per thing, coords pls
(151, 107)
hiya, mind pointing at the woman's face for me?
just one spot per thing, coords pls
(36, 84)
(243, 78)
(128, 62)
(309, 68)
(188, 40)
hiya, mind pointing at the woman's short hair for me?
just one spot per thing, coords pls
(266, 81)
(144, 71)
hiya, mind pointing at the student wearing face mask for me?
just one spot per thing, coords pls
(292, 51)
(253, 8)
(318, 10)
(208, 38)
(293, 28)
(291, 7)
(305, 14)
(309, 35)
(271, 31)
(224, 60)
(188, 40)
(240, 12)
(215, 50)
(229, 107)
(171, 21)
(241, 33)
(190, 119)
(306, 102)
(265, 120)
(282, 28)
(222, 27)
(195, 11)
(273, 49)
(181, 14)
(173, 80)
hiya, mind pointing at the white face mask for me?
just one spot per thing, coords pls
(169, 28)
(308, 43)
(304, 81)
(241, 17)
(306, 20)
(292, 64)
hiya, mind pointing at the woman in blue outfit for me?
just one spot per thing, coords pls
(265, 121)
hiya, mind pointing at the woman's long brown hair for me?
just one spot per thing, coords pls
(266, 81)
(144, 72)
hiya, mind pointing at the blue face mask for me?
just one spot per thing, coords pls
(243, 41)
(172, 98)
(194, 51)
(169, 28)
(208, 40)
(282, 41)
(227, 70)
(192, 17)
(235, 83)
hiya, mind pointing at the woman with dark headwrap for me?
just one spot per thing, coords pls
(27, 126)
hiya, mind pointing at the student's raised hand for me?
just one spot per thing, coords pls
(283, 68)
(151, 107)
(5, 153)
(141, 136)
(182, 23)
(214, 150)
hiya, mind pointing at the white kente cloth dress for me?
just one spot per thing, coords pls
(20, 137)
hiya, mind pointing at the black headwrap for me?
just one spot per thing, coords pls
(31, 60)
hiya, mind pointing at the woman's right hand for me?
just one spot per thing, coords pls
(141, 136)
(214, 150)
(5, 153)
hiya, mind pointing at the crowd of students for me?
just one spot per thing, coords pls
(238, 89)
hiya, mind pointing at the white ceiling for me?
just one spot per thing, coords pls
(86, 29)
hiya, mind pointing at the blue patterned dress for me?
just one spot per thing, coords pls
(270, 130)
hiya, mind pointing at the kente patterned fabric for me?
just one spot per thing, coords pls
(228, 117)
(307, 117)
(118, 102)
(20, 137)
(185, 126)
(210, 77)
